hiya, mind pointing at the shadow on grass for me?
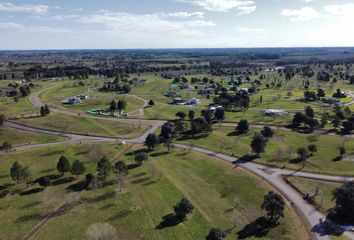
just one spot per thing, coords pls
(169, 220)
(258, 229)
(192, 136)
(337, 159)
(63, 180)
(133, 153)
(5, 186)
(158, 154)
(140, 180)
(31, 204)
(32, 191)
(102, 197)
(58, 152)
(76, 187)
(236, 133)
(119, 215)
(246, 158)
(30, 217)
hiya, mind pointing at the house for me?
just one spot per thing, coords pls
(71, 100)
(193, 101)
(178, 101)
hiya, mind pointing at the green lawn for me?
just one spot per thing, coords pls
(81, 125)
(17, 137)
(324, 197)
(286, 142)
(221, 195)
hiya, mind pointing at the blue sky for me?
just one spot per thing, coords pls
(120, 24)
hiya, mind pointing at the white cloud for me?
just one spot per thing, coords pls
(341, 10)
(246, 10)
(24, 8)
(185, 14)
(10, 25)
(250, 30)
(244, 6)
(302, 14)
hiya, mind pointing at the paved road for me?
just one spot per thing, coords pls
(272, 176)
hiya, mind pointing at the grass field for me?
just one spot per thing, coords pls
(324, 198)
(82, 125)
(17, 137)
(286, 142)
(221, 196)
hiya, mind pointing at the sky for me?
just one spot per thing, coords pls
(139, 24)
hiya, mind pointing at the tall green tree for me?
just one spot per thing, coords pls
(77, 168)
(183, 208)
(274, 204)
(63, 165)
(151, 141)
(104, 167)
(258, 143)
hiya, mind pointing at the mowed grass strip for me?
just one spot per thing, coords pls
(81, 125)
(18, 137)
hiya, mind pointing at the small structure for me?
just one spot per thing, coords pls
(214, 107)
(330, 100)
(172, 94)
(178, 101)
(193, 101)
(274, 112)
(71, 101)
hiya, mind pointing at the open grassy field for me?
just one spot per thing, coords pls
(81, 125)
(324, 197)
(96, 100)
(222, 197)
(282, 149)
(17, 137)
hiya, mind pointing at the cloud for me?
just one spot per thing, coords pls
(24, 8)
(244, 6)
(250, 30)
(185, 14)
(341, 10)
(10, 25)
(302, 14)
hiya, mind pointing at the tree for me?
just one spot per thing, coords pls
(26, 175)
(309, 112)
(216, 234)
(140, 157)
(89, 178)
(151, 103)
(181, 115)
(200, 125)
(298, 118)
(167, 131)
(219, 114)
(267, 132)
(151, 141)
(63, 165)
(183, 208)
(121, 105)
(273, 203)
(348, 126)
(336, 122)
(312, 149)
(104, 167)
(120, 167)
(342, 151)
(17, 172)
(258, 144)
(126, 88)
(321, 93)
(191, 115)
(242, 126)
(303, 154)
(6, 146)
(207, 115)
(2, 120)
(77, 168)
(113, 107)
(44, 110)
(44, 181)
(344, 199)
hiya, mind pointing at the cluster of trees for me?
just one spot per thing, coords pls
(45, 111)
(20, 173)
(307, 118)
(117, 106)
(6, 146)
(121, 85)
(233, 102)
(344, 199)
